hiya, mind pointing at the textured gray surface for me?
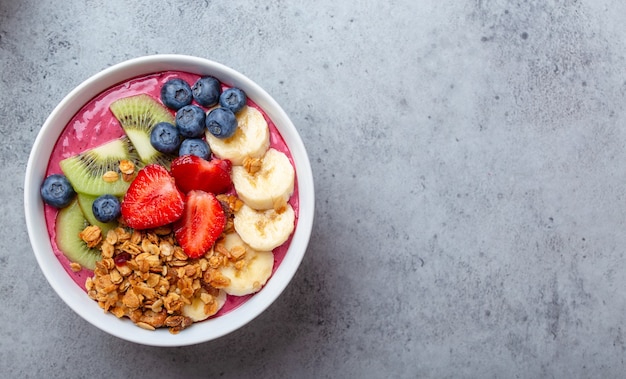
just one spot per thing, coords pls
(471, 185)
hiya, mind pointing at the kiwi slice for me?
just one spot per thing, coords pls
(70, 222)
(85, 171)
(138, 115)
(85, 202)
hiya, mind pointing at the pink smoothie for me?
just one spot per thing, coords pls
(94, 125)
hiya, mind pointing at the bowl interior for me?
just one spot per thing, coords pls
(72, 294)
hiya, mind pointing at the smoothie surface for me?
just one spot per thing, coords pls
(94, 125)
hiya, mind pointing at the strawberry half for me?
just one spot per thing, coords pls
(201, 224)
(194, 173)
(152, 199)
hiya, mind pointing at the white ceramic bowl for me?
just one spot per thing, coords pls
(64, 285)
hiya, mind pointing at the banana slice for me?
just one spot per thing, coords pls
(250, 273)
(251, 138)
(266, 185)
(204, 305)
(264, 230)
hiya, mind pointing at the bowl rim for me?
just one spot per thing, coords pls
(64, 285)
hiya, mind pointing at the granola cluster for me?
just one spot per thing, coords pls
(147, 277)
(126, 168)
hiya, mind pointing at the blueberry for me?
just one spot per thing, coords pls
(221, 122)
(176, 93)
(195, 146)
(207, 91)
(57, 191)
(190, 121)
(233, 99)
(106, 208)
(165, 138)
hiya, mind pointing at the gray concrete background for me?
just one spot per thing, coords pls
(471, 184)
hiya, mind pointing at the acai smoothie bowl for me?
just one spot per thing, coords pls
(169, 200)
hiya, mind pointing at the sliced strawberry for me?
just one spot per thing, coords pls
(201, 224)
(152, 200)
(194, 173)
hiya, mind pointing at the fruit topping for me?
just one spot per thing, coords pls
(90, 172)
(57, 191)
(165, 138)
(121, 258)
(138, 115)
(264, 183)
(221, 122)
(176, 93)
(190, 121)
(201, 224)
(85, 202)
(250, 140)
(195, 146)
(251, 270)
(200, 309)
(70, 224)
(206, 91)
(152, 200)
(264, 230)
(106, 208)
(194, 173)
(233, 99)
